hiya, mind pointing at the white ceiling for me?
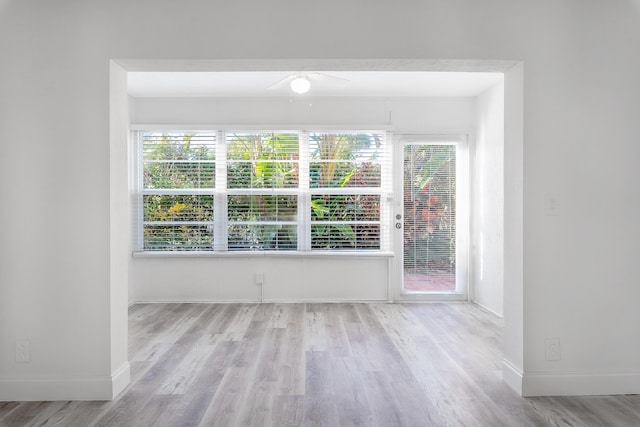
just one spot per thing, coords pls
(361, 83)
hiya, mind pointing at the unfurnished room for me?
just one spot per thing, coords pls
(338, 213)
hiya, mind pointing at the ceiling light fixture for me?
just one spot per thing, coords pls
(300, 85)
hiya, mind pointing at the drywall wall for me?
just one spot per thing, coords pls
(288, 278)
(581, 103)
(488, 183)
(513, 274)
(284, 278)
(401, 114)
(119, 219)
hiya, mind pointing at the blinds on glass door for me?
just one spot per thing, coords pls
(429, 208)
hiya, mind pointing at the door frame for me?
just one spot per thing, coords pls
(463, 215)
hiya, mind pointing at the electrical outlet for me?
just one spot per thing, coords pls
(259, 278)
(552, 349)
(552, 205)
(23, 351)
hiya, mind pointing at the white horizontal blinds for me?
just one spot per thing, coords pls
(258, 191)
(346, 182)
(262, 190)
(178, 185)
(346, 160)
(430, 210)
(182, 160)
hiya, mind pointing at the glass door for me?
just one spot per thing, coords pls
(433, 218)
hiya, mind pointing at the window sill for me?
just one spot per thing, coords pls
(263, 254)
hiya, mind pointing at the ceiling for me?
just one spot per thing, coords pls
(360, 83)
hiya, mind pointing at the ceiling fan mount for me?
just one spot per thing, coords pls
(301, 82)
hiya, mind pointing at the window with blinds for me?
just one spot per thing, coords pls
(264, 191)
(262, 196)
(346, 181)
(178, 183)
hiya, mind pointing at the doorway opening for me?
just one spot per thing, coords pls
(512, 165)
(433, 216)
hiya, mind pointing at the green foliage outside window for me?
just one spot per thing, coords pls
(262, 161)
(351, 210)
(179, 168)
(274, 211)
(174, 161)
(429, 207)
(345, 161)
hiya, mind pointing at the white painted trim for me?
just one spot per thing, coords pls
(120, 380)
(462, 140)
(390, 273)
(264, 254)
(512, 376)
(513, 238)
(431, 296)
(367, 127)
(53, 389)
(382, 300)
(120, 220)
(368, 64)
(486, 308)
(580, 384)
(570, 383)
(444, 137)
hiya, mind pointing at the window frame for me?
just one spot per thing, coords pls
(303, 191)
(257, 191)
(141, 191)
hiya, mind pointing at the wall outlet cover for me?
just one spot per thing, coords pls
(552, 349)
(23, 351)
(552, 204)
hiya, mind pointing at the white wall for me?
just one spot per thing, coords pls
(287, 278)
(120, 214)
(581, 106)
(488, 184)
(513, 272)
(403, 114)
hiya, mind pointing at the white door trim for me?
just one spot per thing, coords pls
(463, 215)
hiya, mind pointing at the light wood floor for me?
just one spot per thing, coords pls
(319, 364)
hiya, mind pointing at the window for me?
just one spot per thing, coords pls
(263, 191)
(345, 176)
(178, 183)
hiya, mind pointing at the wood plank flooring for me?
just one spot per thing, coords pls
(382, 365)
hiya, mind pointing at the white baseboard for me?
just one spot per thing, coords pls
(570, 384)
(120, 380)
(580, 384)
(484, 307)
(512, 376)
(40, 389)
(266, 301)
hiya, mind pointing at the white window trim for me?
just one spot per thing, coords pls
(220, 193)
